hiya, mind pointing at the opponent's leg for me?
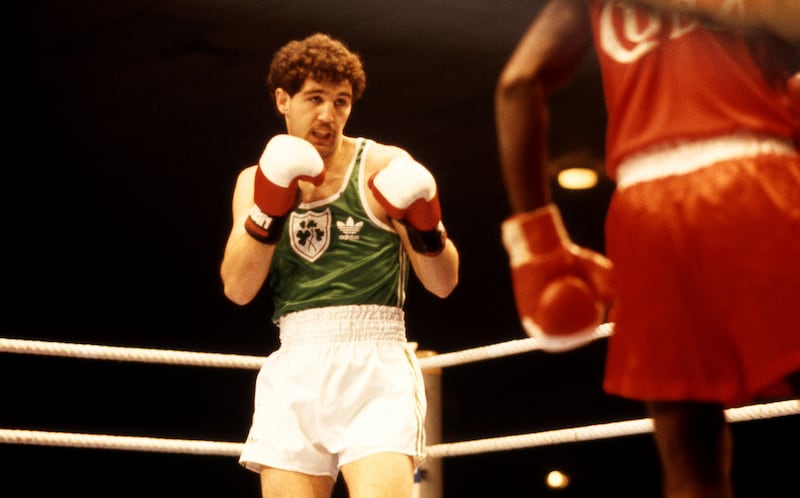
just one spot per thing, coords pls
(277, 483)
(695, 448)
(382, 475)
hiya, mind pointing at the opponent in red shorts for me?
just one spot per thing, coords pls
(703, 229)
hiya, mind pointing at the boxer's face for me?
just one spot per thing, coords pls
(317, 113)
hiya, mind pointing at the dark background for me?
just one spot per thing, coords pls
(126, 125)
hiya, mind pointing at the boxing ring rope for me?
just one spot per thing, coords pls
(503, 443)
(430, 364)
(173, 357)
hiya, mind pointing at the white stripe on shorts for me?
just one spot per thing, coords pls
(685, 157)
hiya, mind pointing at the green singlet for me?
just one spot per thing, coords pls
(336, 252)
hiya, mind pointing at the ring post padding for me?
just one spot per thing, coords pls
(430, 472)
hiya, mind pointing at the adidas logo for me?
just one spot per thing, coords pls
(349, 229)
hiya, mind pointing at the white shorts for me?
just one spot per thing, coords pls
(343, 385)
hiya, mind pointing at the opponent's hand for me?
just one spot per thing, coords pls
(285, 161)
(561, 289)
(407, 190)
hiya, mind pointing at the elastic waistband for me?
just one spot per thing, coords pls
(685, 157)
(334, 324)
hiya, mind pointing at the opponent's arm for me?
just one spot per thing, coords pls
(545, 58)
(263, 196)
(561, 290)
(409, 194)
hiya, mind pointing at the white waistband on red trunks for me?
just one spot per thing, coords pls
(685, 157)
(333, 324)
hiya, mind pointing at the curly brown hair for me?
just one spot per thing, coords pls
(319, 57)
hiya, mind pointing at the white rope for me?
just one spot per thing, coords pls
(558, 436)
(498, 350)
(166, 356)
(128, 443)
(600, 431)
(172, 357)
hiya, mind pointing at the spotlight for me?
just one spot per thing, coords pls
(577, 178)
(557, 480)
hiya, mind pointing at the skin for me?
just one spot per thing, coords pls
(318, 113)
(545, 58)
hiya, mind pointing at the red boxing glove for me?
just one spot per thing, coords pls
(561, 289)
(285, 160)
(407, 190)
